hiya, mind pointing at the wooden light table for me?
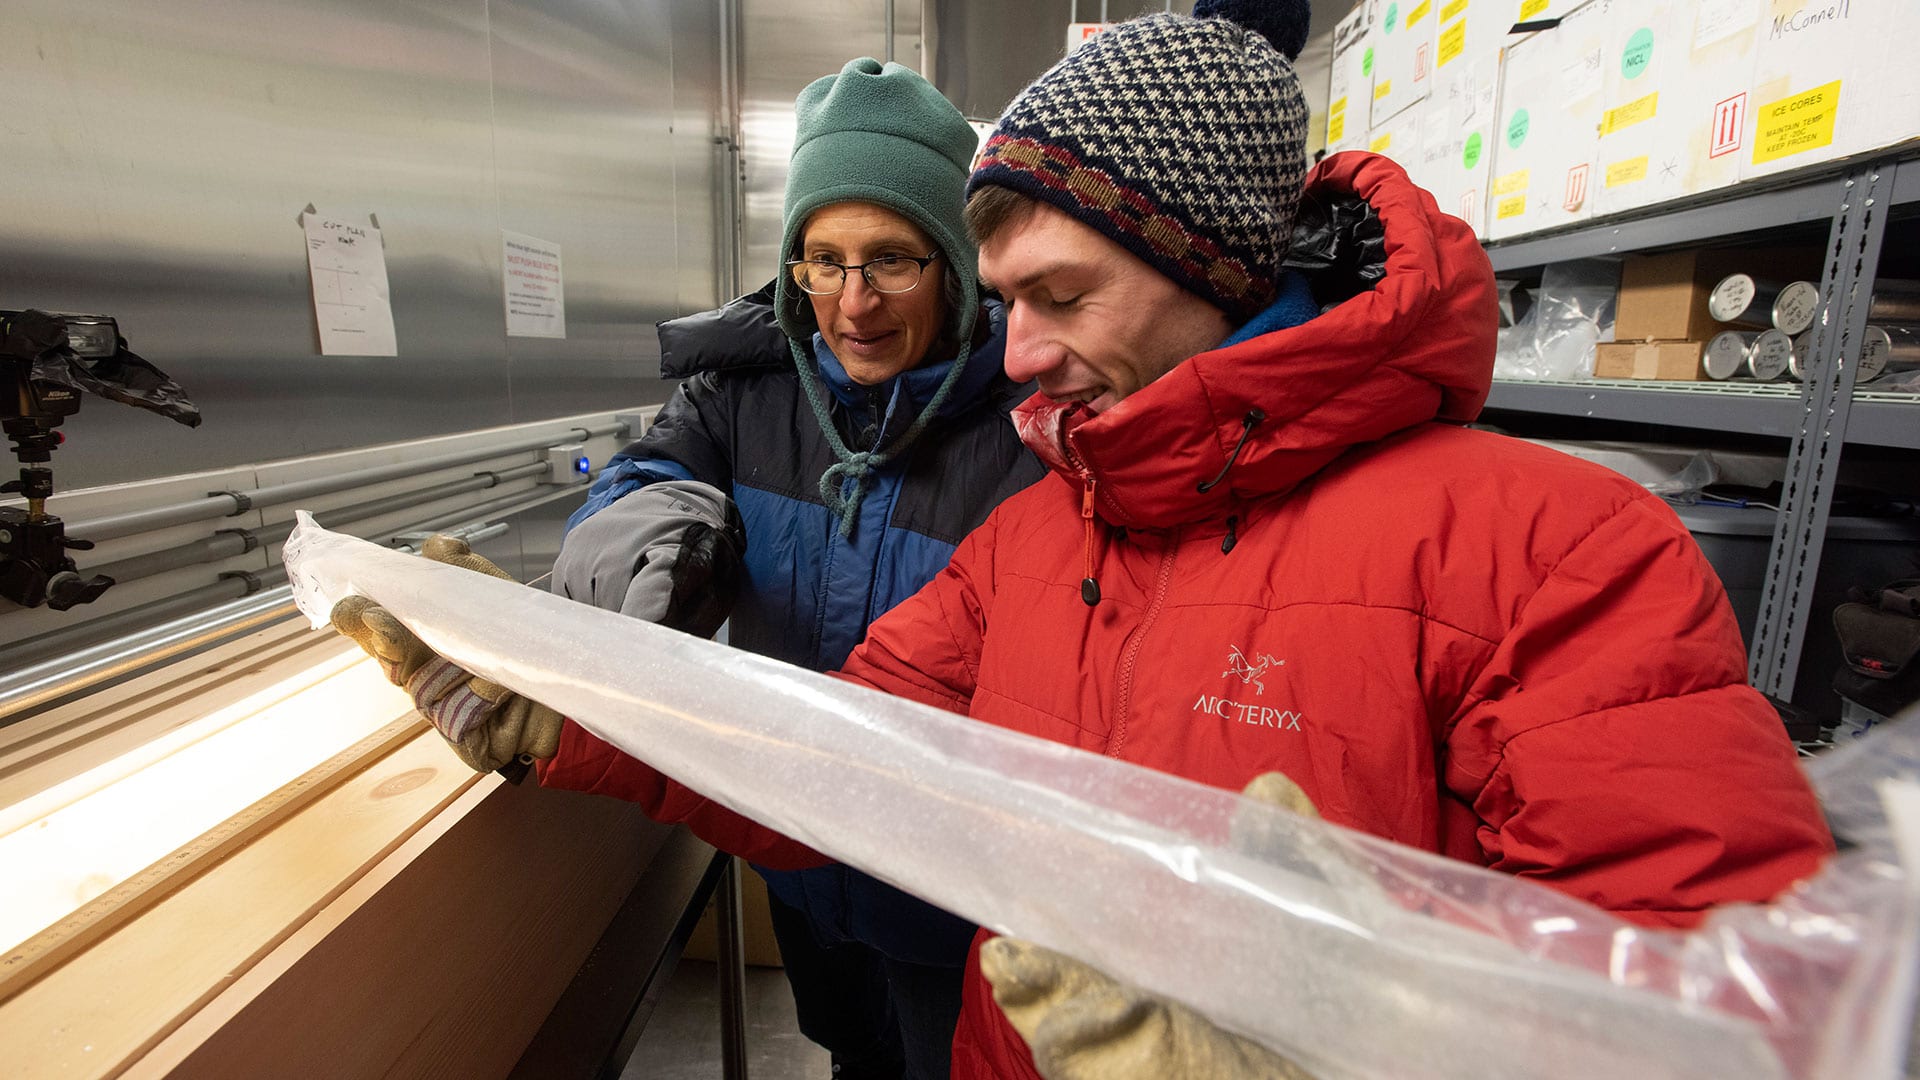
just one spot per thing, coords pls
(364, 906)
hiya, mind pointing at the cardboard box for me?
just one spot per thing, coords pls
(1404, 40)
(1831, 78)
(1350, 92)
(1670, 360)
(1672, 117)
(1664, 297)
(756, 926)
(1550, 93)
(1403, 139)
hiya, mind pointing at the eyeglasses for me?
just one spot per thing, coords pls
(886, 274)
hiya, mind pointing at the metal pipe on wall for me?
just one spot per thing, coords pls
(230, 503)
(227, 543)
(139, 650)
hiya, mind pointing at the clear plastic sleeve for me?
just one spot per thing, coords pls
(1358, 957)
(1572, 312)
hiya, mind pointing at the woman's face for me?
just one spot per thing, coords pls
(875, 335)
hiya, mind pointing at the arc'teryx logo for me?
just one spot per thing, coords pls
(1249, 673)
(1237, 664)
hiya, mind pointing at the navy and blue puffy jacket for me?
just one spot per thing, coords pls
(741, 423)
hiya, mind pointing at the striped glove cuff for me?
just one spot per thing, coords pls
(442, 693)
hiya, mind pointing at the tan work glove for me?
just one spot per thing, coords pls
(489, 726)
(1083, 1025)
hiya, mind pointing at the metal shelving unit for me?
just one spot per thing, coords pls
(1879, 419)
(1678, 224)
(1820, 417)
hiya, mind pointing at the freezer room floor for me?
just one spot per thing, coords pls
(682, 1039)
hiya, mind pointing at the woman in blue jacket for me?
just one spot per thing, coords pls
(851, 422)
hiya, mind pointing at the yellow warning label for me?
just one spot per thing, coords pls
(1381, 142)
(1530, 8)
(1453, 9)
(1512, 182)
(1422, 11)
(1797, 124)
(1382, 90)
(1453, 41)
(1511, 207)
(1633, 112)
(1628, 171)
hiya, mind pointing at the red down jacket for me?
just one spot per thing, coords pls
(1457, 640)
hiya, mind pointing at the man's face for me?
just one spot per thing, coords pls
(1086, 316)
(875, 335)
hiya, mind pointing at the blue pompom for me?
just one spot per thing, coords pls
(1283, 22)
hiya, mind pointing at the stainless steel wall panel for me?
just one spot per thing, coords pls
(583, 131)
(158, 152)
(784, 47)
(986, 51)
(700, 191)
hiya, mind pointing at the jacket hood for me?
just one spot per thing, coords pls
(1416, 347)
(742, 335)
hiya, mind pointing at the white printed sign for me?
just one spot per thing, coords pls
(348, 264)
(536, 298)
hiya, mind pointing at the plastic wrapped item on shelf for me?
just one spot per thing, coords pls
(1515, 355)
(1908, 383)
(1686, 486)
(1357, 957)
(1572, 313)
(1515, 301)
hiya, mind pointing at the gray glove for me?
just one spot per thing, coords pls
(668, 553)
(1082, 1024)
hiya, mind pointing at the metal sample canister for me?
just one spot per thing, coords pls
(1770, 355)
(1802, 357)
(1794, 309)
(1895, 301)
(1893, 349)
(1727, 353)
(1744, 300)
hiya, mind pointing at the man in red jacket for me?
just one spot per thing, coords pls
(1271, 544)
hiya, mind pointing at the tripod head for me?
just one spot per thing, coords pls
(46, 363)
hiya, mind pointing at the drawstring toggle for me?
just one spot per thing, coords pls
(1247, 424)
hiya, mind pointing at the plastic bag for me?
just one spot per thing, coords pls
(1338, 244)
(1358, 957)
(40, 340)
(1686, 486)
(1572, 312)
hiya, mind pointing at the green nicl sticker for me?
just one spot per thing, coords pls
(1517, 129)
(1633, 62)
(1471, 156)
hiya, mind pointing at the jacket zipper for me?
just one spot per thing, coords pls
(1130, 660)
(1089, 583)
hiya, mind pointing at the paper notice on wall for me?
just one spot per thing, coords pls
(536, 298)
(348, 264)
